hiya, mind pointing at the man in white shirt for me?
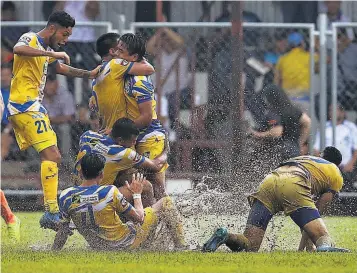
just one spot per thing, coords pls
(346, 142)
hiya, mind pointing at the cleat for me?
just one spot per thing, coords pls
(50, 220)
(13, 230)
(218, 238)
(331, 249)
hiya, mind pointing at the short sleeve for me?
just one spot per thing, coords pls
(120, 67)
(142, 91)
(120, 203)
(336, 182)
(28, 39)
(134, 158)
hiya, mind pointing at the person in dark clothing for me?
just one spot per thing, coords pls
(290, 126)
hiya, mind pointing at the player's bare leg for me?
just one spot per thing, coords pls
(167, 211)
(50, 158)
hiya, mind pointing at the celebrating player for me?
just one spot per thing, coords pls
(141, 108)
(289, 188)
(116, 148)
(96, 211)
(33, 52)
(108, 87)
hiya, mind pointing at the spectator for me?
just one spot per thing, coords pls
(81, 45)
(60, 106)
(347, 71)
(293, 72)
(11, 34)
(173, 56)
(280, 47)
(290, 125)
(6, 129)
(346, 142)
(48, 7)
(299, 11)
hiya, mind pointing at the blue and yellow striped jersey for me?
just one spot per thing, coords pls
(139, 89)
(118, 158)
(95, 211)
(29, 77)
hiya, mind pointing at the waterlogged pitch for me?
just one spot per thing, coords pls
(31, 255)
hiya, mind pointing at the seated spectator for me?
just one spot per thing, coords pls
(13, 33)
(347, 71)
(81, 45)
(346, 142)
(290, 125)
(7, 137)
(293, 72)
(60, 106)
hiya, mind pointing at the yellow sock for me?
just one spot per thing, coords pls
(49, 180)
(173, 220)
(238, 242)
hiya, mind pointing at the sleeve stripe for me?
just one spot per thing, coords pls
(128, 69)
(128, 208)
(144, 100)
(141, 161)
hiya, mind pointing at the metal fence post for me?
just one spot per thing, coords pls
(334, 83)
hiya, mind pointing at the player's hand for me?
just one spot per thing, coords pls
(61, 56)
(94, 73)
(136, 185)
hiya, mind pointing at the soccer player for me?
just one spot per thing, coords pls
(33, 53)
(289, 188)
(141, 108)
(96, 210)
(108, 87)
(116, 148)
(13, 223)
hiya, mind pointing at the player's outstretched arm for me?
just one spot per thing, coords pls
(70, 71)
(25, 50)
(61, 237)
(142, 68)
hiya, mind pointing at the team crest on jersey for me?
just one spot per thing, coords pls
(123, 202)
(76, 199)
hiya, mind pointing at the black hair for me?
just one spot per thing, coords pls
(135, 44)
(8, 5)
(125, 129)
(332, 154)
(61, 18)
(277, 98)
(92, 165)
(106, 42)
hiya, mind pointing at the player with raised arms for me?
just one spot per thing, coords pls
(32, 55)
(141, 108)
(289, 188)
(96, 211)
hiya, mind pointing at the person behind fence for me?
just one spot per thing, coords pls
(288, 123)
(33, 53)
(141, 108)
(346, 142)
(292, 72)
(289, 188)
(97, 211)
(347, 71)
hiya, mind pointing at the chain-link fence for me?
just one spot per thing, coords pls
(73, 93)
(194, 82)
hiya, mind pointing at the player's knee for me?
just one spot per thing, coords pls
(51, 154)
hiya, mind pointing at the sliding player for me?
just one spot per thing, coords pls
(289, 188)
(116, 148)
(96, 212)
(33, 53)
(141, 108)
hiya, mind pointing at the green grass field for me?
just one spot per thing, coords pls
(77, 258)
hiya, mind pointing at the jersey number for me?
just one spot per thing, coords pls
(88, 219)
(40, 124)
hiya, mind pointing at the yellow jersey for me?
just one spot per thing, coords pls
(95, 211)
(324, 175)
(29, 77)
(294, 70)
(108, 91)
(118, 158)
(139, 89)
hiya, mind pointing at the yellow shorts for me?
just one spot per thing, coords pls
(33, 129)
(148, 227)
(284, 192)
(151, 147)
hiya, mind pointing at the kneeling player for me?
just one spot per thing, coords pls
(96, 211)
(289, 188)
(119, 156)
